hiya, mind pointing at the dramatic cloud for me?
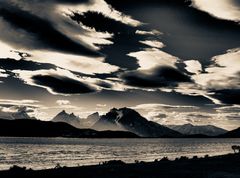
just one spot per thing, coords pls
(159, 77)
(62, 85)
(96, 39)
(187, 33)
(150, 58)
(56, 81)
(43, 33)
(12, 64)
(25, 26)
(193, 66)
(91, 55)
(223, 73)
(74, 63)
(100, 22)
(222, 78)
(36, 59)
(102, 7)
(224, 9)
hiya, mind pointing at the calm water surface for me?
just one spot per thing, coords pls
(39, 153)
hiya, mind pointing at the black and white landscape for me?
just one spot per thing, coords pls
(78, 74)
(124, 121)
(175, 62)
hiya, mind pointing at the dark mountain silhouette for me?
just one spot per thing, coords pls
(71, 119)
(118, 123)
(189, 129)
(37, 128)
(231, 134)
(129, 120)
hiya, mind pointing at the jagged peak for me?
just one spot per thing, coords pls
(113, 110)
(122, 109)
(72, 114)
(126, 110)
(63, 112)
(121, 113)
(189, 124)
(93, 114)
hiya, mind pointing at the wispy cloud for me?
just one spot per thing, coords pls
(63, 102)
(76, 63)
(24, 102)
(153, 43)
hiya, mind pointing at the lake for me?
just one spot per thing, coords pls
(40, 153)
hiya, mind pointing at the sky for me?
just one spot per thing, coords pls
(175, 62)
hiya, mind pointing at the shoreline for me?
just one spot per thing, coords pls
(215, 166)
(66, 137)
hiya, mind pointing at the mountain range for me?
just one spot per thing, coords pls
(118, 122)
(123, 119)
(189, 129)
(126, 119)
(67, 118)
(76, 121)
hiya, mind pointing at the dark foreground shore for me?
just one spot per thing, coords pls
(225, 166)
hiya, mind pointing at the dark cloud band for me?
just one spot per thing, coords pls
(159, 77)
(62, 85)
